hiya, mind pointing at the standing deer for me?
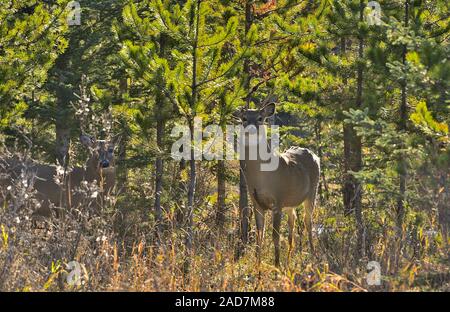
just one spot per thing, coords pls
(99, 167)
(293, 182)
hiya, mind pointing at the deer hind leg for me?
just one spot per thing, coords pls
(260, 225)
(292, 217)
(276, 216)
(307, 219)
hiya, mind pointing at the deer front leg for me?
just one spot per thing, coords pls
(276, 216)
(260, 224)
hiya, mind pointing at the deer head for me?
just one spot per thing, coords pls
(253, 120)
(101, 152)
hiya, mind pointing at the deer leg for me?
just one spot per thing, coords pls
(260, 224)
(291, 223)
(307, 219)
(276, 216)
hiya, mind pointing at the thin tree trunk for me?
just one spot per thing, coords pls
(400, 214)
(122, 172)
(62, 146)
(181, 188)
(352, 158)
(192, 169)
(159, 179)
(352, 153)
(191, 194)
(220, 216)
(159, 165)
(244, 209)
(348, 187)
(357, 154)
(323, 187)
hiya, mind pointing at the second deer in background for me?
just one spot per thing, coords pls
(100, 167)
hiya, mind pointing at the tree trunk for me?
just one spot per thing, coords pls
(62, 146)
(348, 187)
(323, 187)
(122, 171)
(192, 169)
(159, 165)
(191, 194)
(400, 213)
(159, 180)
(181, 188)
(220, 216)
(357, 154)
(244, 209)
(352, 153)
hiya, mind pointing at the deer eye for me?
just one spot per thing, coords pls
(260, 119)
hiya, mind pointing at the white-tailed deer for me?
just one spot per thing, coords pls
(99, 167)
(293, 182)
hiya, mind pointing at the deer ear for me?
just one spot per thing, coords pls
(268, 110)
(87, 140)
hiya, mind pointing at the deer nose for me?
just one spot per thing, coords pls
(251, 129)
(105, 163)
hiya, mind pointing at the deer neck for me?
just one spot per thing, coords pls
(253, 166)
(92, 172)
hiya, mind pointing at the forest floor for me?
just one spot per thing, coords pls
(35, 258)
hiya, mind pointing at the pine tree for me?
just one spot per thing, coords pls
(190, 76)
(90, 54)
(31, 38)
(328, 33)
(395, 50)
(346, 25)
(144, 54)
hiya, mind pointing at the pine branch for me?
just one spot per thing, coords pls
(224, 73)
(267, 13)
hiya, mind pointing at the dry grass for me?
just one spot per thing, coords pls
(34, 259)
(116, 250)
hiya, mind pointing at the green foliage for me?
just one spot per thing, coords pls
(146, 65)
(424, 119)
(31, 38)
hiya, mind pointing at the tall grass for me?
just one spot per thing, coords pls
(116, 249)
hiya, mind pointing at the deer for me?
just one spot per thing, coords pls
(100, 167)
(294, 181)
